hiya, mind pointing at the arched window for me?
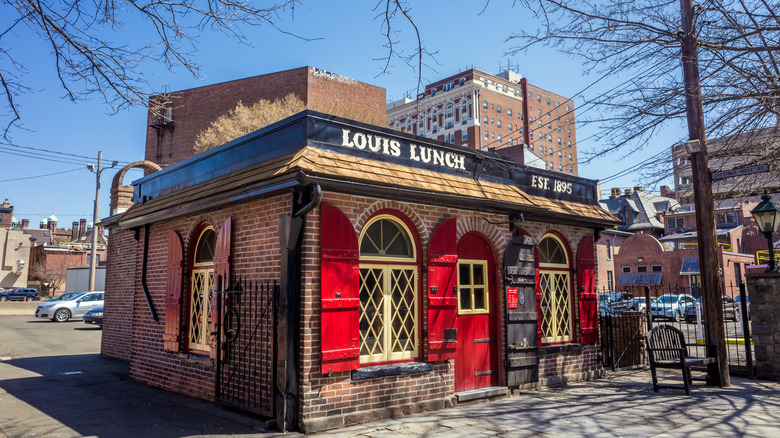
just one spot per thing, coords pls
(201, 282)
(388, 291)
(555, 303)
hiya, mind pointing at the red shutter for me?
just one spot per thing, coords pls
(442, 297)
(173, 292)
(340, 286)
(221, 275)
(586, 281)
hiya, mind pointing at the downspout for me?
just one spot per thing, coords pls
(143, 275)
(291, 230)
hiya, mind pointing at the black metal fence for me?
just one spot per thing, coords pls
(625, 317)
(246, 327)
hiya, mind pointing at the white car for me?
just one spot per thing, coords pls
(74, 307)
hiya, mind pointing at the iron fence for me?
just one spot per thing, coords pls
(245, 351)
(625, 317)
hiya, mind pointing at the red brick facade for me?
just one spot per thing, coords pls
(325, 401)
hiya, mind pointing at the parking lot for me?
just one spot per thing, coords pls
(54, 383)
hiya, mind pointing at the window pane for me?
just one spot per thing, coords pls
(465, 298)
(371, 311)
(479, 275)
(403, 310)
(465, 274)
(551, 251)
(385, 238)
(205, 250)
(479, 299)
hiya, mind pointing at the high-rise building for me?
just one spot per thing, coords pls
(495, 113)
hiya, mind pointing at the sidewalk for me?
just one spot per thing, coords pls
(87, 395)
(623, 404)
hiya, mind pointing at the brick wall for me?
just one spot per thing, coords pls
(122, 276)
(325, 401)
(193, 110)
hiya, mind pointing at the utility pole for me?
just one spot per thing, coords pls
(94, 240)
(702, 192)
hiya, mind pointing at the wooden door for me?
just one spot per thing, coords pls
(476, 357)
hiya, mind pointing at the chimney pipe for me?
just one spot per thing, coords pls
(82, 228)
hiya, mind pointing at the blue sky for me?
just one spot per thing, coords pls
(348, 42)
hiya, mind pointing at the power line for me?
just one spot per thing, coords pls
(49, 151)
(41, 176)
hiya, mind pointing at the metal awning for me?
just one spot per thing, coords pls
(690, 266)
(640, 279)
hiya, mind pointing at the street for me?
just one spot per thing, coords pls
(54, 383)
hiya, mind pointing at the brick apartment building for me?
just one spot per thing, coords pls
(501, 113)
(175, 119)
(408, 274)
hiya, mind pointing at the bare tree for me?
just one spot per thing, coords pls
(95, 56)
(55, 270)
(637, 44)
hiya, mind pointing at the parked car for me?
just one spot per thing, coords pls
(74, 307)
(738, 300)
(65, 296)
(730, 310)
(638, 304)
(20, 294)
(610, 302)
(671, 306)
(94, 316)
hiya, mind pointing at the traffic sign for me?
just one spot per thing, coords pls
(740, 171)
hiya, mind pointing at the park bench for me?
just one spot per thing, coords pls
(666, 348)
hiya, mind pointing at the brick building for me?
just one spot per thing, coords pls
(643, 254)
(501, 113)
(175, 119)
(607, 248)
(728, 153)
(391, 274)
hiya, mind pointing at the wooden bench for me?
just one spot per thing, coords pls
(666, 348)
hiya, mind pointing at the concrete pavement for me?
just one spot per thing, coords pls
(54, 384)
(623, 404)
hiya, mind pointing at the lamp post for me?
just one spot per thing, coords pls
(93, 243)
(767, 218)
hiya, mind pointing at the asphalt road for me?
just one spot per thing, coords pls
(54, 383)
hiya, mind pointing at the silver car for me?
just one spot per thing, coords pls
(74, 307)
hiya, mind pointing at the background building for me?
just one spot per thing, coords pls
(729, 153)
(501, 113)
(15, 245)
(175, 119)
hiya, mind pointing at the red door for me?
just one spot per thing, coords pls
(476, 357)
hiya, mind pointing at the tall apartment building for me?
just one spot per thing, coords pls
(175, 119)
(729, 153)
(501, 113)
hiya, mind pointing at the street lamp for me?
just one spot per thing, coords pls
(767, 217)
